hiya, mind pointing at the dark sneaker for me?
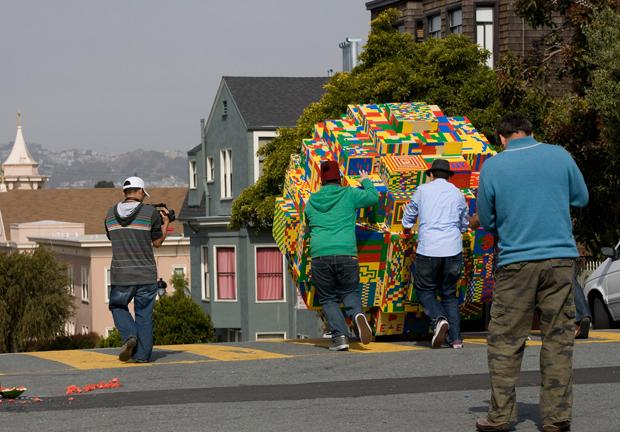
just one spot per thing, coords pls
(339, 343)
(485, 425)
(583, 328)
(127, 349)
(441, 329)
(363, 328)
(557, 427)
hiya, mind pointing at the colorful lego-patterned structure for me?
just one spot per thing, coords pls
(396, 143)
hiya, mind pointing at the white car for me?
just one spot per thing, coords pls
(602, 289)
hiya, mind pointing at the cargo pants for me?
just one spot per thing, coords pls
(519, 289)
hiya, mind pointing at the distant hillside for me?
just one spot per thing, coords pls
(84, 168)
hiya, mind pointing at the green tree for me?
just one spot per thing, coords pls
(104, 184)
(178, 320)
(180, 283)
(585, 37)
(448, 72)
(566, 41)
(34, 301)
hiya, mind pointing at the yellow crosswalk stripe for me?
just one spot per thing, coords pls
(356, 347)
(89, 359)
(225, 352)
(81, 359)
(596, 336)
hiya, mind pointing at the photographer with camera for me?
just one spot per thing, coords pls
(134, 228)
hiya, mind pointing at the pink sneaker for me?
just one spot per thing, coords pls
(457, 344)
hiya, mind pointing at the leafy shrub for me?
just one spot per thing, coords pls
(112, 341)
(178, 320)
(77, 341)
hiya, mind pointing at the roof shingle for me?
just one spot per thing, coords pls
(88, 206)
(272, 102)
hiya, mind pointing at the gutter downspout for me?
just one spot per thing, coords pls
(203, 143)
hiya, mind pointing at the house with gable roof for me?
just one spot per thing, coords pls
(70, 223)
(239, 277)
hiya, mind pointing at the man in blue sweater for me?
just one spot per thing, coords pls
(525, 196)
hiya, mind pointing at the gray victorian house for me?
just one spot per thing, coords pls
(240, 277)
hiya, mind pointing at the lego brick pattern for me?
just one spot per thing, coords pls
(372, 256)
(395, 203)
(387, 323)
(286, 220)
(396, 143)
(403, 173)
(394, 285)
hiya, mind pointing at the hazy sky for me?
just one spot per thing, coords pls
(116, 75)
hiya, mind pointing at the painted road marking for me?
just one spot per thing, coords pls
(84, 360)
(225, 352)
(89, 359)
(356, 347)
(595, 336)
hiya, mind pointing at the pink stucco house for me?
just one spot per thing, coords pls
(70, 223)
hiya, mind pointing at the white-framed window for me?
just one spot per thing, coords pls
(434, 26)
(259, 140)
(225, 273)
(210, 169)
(178, 269)
(85, 329)
(108, 284)
(85, 279)
(108, 330)
(226, 174)
(193, 174)
(71, 286)
(455, 18)
(204, 267)
(484, 31)
(269, 274)
(265, 336)
(70, 328)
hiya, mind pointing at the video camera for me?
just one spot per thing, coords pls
(171, 215)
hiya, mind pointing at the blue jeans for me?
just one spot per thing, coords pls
(435, 276)
(581, 305)
(336, 279)
(142, 327)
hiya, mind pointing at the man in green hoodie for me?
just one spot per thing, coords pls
(331, 216)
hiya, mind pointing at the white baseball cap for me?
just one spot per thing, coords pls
(135, 183)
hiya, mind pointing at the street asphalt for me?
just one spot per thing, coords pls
(296, 385)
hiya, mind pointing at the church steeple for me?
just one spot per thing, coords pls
(19, 153)
(21, 171)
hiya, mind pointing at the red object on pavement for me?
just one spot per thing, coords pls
(113, 383)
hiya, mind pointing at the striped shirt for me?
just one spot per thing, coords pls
(133, 261)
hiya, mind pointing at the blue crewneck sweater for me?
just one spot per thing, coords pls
(525, 196)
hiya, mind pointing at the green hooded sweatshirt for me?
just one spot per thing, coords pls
(331, 216)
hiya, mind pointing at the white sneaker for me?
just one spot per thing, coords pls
(441, 329)
(363, 328)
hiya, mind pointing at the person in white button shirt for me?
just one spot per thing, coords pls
(441, 210)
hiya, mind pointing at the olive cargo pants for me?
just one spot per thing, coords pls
(519, 289)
